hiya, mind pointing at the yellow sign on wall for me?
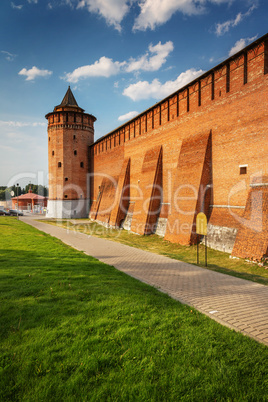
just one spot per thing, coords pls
(201, 224)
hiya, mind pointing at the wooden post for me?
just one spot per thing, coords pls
(197, 250)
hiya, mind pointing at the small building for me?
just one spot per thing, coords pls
(29, 202)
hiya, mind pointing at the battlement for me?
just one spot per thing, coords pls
(225, 79)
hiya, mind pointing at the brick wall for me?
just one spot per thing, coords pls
(252, 237)
(149, 193)
(121, 201)
(229, 103)
(70, 134)
(193, 176)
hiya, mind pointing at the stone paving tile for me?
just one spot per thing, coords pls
(234, 302)
(262, 336)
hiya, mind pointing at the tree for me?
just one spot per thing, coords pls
(5, 192)
(37, 189)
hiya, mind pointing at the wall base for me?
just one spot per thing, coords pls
(67, 209)
(161, 227)
(127, 222)
(220, 238)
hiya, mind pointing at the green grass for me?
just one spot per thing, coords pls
(217, 260)
(75, 329)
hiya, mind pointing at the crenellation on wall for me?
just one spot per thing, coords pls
(256, 62)
(220, 83)
(157, 117)
(149, 125)
(194, 97)
(237, 73)
(142, 125)
(173, 108)
(164, 113)
(206, 90)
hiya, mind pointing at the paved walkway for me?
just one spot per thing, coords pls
(236, 303)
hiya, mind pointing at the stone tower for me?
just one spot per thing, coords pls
(70, 133)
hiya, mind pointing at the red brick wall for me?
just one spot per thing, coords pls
(252, 237)
(149, 192)
(193, 176)
(121, 201)
(68, 143)
(230, 102)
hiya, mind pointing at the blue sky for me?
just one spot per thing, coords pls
(118, 56)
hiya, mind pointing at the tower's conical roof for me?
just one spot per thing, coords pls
(69, 99)
(68, 102)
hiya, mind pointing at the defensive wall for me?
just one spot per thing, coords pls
(203, 148)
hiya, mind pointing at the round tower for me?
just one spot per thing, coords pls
(70, 133)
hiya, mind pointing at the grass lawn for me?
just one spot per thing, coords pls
(217, 260)
(75, 329)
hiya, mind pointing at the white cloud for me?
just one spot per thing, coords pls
(8, 56)
(104, 67)
(152, 12)
(157, 12)
(160, 53)
(19, 7)
(240, 44)
(33, 1)
(222, 1)
(12, 123)
(128, 116)
(34, 72)
(222, 28)
(156, 90)
(112, 10)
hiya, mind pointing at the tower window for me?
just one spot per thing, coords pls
(66, 196)
(75, 152)
(81, 164)
(53, 153)
(66, 179)
(59, 164)
(243, 169)
(74, 137)
(48, 138)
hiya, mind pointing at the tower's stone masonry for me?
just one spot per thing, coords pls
(200, 149)
(70, 133)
